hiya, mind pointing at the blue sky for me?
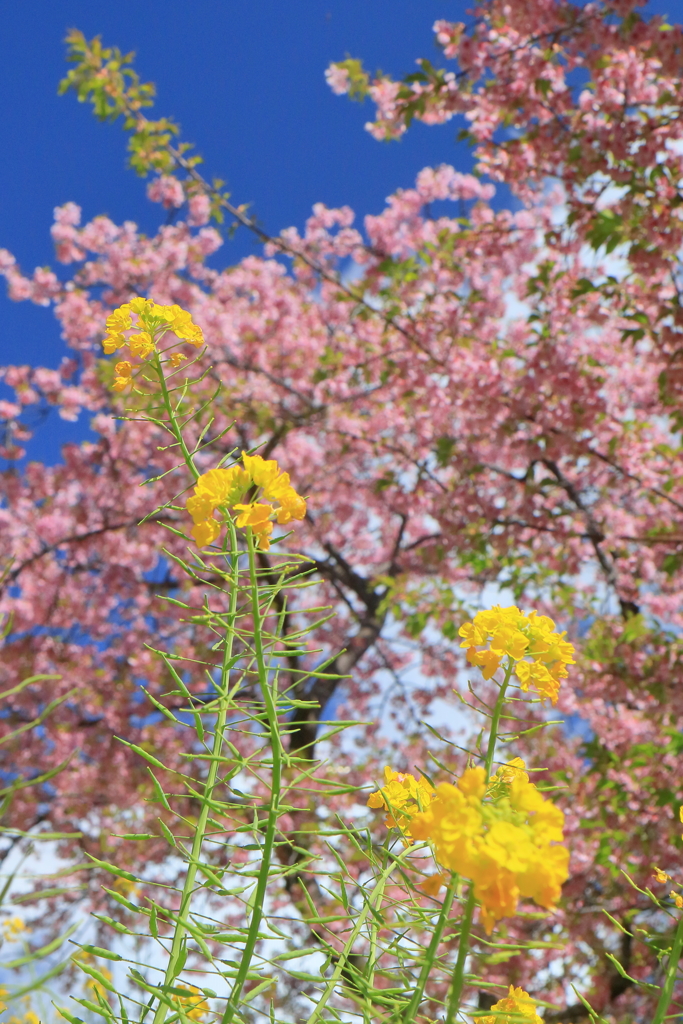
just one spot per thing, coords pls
(245, 79)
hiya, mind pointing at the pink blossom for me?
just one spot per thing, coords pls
(166, 190)
(200, 209)
(338, 79)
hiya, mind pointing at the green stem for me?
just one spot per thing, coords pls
(370, 903)
(218, 738)
(463, 949)
(170, 412)
(275, 791)
(670, 979)
(495, 720)
(458, 981)
(430, 955)
(368, 1010)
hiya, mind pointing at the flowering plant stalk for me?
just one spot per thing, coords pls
(373, 940)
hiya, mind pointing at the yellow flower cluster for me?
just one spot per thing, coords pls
(508, 632)
(517, 1008)
(221, 488)
(152, 322)
(502, 836)
(13, 928)
(402, 795)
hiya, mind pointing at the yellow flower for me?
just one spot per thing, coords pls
(661, 876)
(180, 322)
(509, 640)
(473, 783)
(141, 345)
(508, 632)
(292, 506)
(453, 822)
(487, 661)
(201, 506)
(517, 1008)
(3, 992)
(537, 675)
(13, 928)
(119, 321)
(257, 516)
(30, 1017)
(474, 636)
(264, 472)
(431, 885)
(505, 838)
(222, 488)
(153, 321)
(124, 376)
(511, 770)
(176, 359)
(193, 1004)
(216, 488)
(678, 900)
(126, 887)
(205, 532)
(113, 342)
(403, 796)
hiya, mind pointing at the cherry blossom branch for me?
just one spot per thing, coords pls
(596, 537)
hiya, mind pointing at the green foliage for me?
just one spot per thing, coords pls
(105, 77)
(359, 79)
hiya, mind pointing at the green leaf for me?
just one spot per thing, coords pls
(582, 286)
(444, 449)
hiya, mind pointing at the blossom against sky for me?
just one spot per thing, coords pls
(246, 82)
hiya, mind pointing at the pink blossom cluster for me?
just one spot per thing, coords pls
(489, 406)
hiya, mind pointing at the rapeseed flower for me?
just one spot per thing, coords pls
(501, 833)
(516, 1008)
(512, 770)
(224, 488)
(124, 376)
(403, 796)
(150, 321)
(257, 516)
(520, 636)
(13, 928)
(194, 1004)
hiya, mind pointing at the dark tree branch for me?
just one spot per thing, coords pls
(371, 618)
(595, 536)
